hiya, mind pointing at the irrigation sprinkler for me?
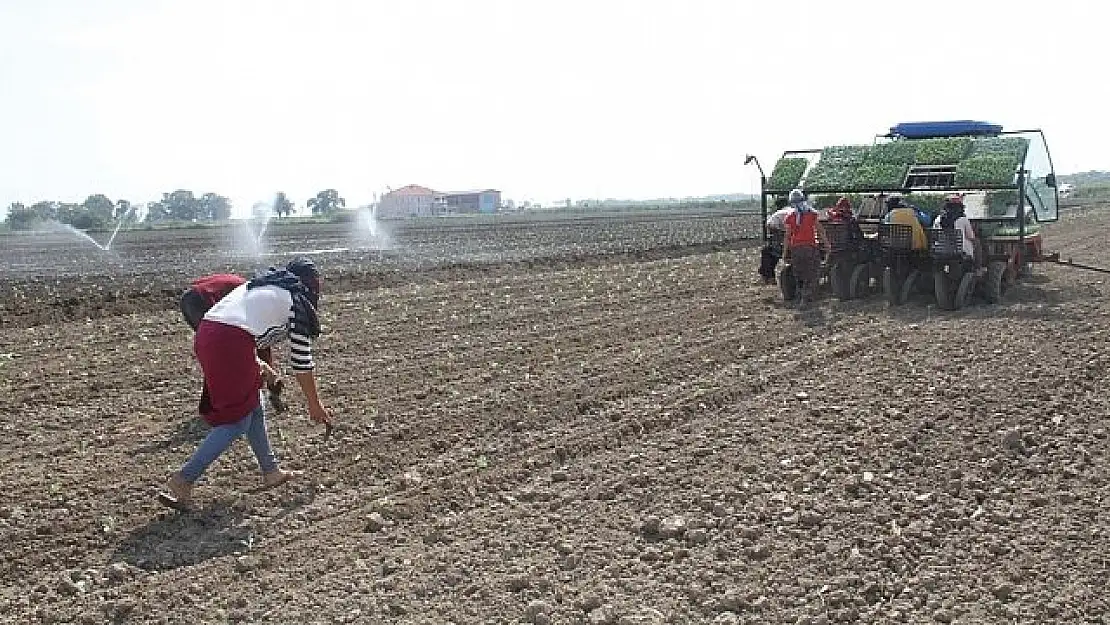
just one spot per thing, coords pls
(370, 233)
(249, 239)
(81, 234)
(119, 223)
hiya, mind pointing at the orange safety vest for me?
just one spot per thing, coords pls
(805, 233)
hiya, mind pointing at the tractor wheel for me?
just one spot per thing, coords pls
(944, 289)
(963, 293)
(925, 283)
(860, 282)
(840, 280)
(788, 283)
(997, 281)
(891, 288)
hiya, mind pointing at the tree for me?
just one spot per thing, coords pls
(123, 208)
(73, 214)
(157, 211)
(326, 202)
(96, 211)
(20, 217)
(214, 207)
(181, 205)
(45, 211)
(282, 206)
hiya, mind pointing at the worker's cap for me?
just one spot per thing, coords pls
(894, 201)
(797, 196)
(954, 199)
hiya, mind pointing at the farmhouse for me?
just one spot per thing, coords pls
(409, 201)
(416, 201)
(477, 201)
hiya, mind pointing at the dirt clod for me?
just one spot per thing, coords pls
(672, 527)
(589, 602)
(375, 522)
(69, 587)
(538, 612)
(119, 572)
(1012, 440)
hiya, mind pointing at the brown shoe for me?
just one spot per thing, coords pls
(277, 477)
(179, 495)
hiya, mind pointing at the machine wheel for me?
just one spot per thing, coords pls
(943, 288)
(909, 286)
(840, 275)
(997, 282)
(891, 288)
(859, 283)
(963, 293)
(788, 283)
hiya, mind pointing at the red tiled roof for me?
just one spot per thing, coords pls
(412, 189)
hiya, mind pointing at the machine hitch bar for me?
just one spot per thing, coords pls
(1055, 258)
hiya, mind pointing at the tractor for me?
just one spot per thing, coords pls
(1004, 178)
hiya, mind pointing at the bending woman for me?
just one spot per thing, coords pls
(276, 305)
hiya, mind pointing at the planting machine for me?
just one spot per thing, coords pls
(1007, 184)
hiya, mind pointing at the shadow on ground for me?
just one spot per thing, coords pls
(175, 539)
(187, 430)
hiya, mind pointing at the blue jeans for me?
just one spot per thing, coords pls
(221, 437)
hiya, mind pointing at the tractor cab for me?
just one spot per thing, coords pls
(1005, 178)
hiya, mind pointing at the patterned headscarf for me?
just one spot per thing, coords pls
(305, 320)
(798, 201)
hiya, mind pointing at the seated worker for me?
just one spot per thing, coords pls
(804, 233)
(952, 217)
(899, 213)
(842, 214)
(770, 256)
(923, 217)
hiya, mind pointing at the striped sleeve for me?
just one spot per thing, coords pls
(300, 352)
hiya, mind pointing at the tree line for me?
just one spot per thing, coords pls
(182, 205)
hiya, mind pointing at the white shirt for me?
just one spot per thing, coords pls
(265, 312)
(777, 219)
(963, 224)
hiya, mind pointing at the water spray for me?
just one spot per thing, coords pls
(265, 223)
(81, 234)
(119, 223)
(371, 233)
(251, 239)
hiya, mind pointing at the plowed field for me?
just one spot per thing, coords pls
(561, 421)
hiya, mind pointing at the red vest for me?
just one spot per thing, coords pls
(213, 288)
(805, 233)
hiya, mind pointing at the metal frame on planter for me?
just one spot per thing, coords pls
(1018, 186)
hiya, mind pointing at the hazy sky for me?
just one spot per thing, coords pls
(542, 99)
